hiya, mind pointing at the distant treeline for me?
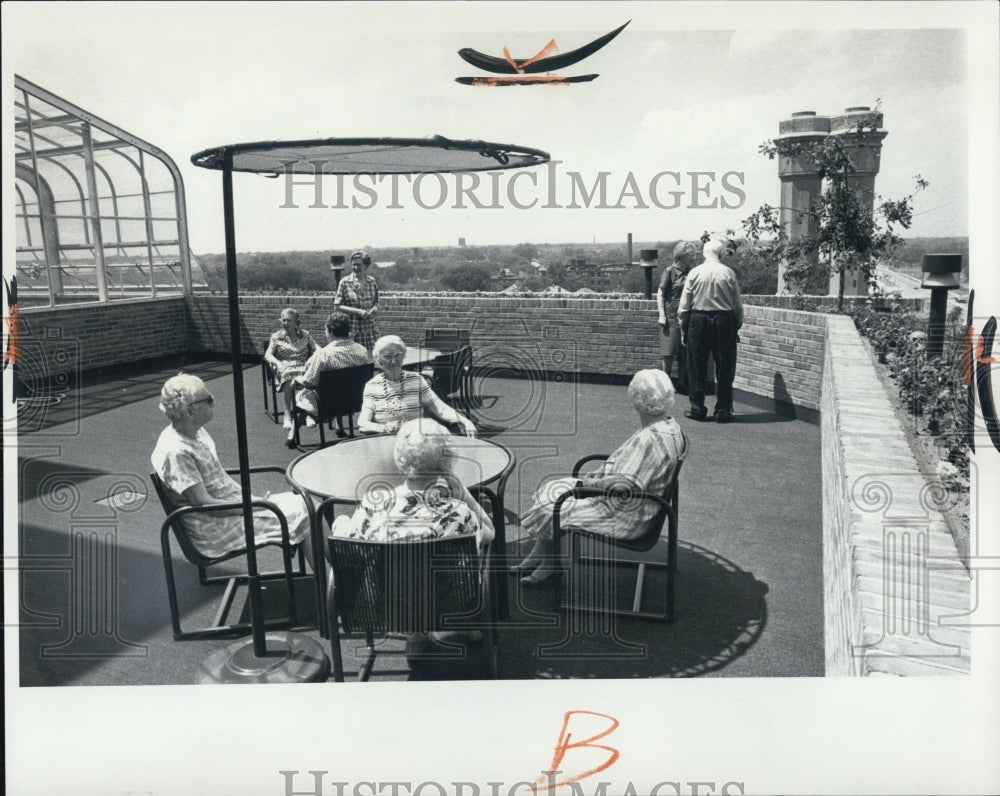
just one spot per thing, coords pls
(907, 259)
(532, 266)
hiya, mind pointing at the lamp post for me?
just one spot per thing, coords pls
(647, 259)
(940, 275)
(337, 266)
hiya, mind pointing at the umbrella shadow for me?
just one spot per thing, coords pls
(720, 613)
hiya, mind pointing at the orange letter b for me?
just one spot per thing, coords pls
(566, 742)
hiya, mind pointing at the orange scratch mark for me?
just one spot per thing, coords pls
(553, 80)
(549, 48)
(980, 358)
(13, 351)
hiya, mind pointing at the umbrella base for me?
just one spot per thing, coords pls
(290, 658)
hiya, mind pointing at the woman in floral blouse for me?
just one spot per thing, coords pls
(430, 503)
(357, 297)
(287, 353)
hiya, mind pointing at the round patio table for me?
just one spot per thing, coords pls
(352, 467)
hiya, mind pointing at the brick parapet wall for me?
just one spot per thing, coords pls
(70, 340)
(781, 354)
(882, 601)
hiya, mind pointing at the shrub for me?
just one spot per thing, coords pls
(931, 388)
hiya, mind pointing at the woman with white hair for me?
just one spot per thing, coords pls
(645, 461)
(186, 461)
(430, 503)
(395, 395)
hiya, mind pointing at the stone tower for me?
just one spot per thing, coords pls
(801, 185)
(800, 182)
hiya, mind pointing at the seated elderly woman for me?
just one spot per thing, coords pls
(396, 395)
(430, 503)
(645, 461)
(185, 460)
(287, 352)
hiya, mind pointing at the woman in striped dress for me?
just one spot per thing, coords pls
(645, 461)
(396, 395)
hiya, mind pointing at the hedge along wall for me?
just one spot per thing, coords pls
(69, 340)
(780, 355)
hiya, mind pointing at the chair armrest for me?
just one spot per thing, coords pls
(594, 457)
(587, 491)
(217, 507)
(263, 468)
(271, 468)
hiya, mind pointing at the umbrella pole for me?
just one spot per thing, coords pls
(293, 657)
(235, 335)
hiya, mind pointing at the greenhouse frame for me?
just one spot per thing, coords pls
(100, 213)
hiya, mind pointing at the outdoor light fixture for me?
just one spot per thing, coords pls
(337, 266)
(940, 274)
(647, 259)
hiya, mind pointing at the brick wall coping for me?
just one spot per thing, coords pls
(93, 305)
(881, 523)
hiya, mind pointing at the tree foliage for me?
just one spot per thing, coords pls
(467, 278)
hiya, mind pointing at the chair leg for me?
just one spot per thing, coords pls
(335, 653)
(287, 556)
(332, 615)
(641, 567)
(640, 577)
(319, 565)
(175, 614)
(366, 667)
(272, 409)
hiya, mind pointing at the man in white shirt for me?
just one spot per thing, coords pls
(710, 314)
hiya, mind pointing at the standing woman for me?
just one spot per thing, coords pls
(287, 353)
(667, 298)
(357, 297)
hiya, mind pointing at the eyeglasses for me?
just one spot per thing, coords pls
(210, 401)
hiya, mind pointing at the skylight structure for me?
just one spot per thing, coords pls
(100, 213)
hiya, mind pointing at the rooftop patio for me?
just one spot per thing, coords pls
(94, 605)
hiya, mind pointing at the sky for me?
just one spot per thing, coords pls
(680, 90)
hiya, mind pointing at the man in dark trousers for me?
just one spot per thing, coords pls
(710, 314)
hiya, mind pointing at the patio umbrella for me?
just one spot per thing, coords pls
(294, 657)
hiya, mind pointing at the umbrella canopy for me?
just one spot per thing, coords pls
(370, 156)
